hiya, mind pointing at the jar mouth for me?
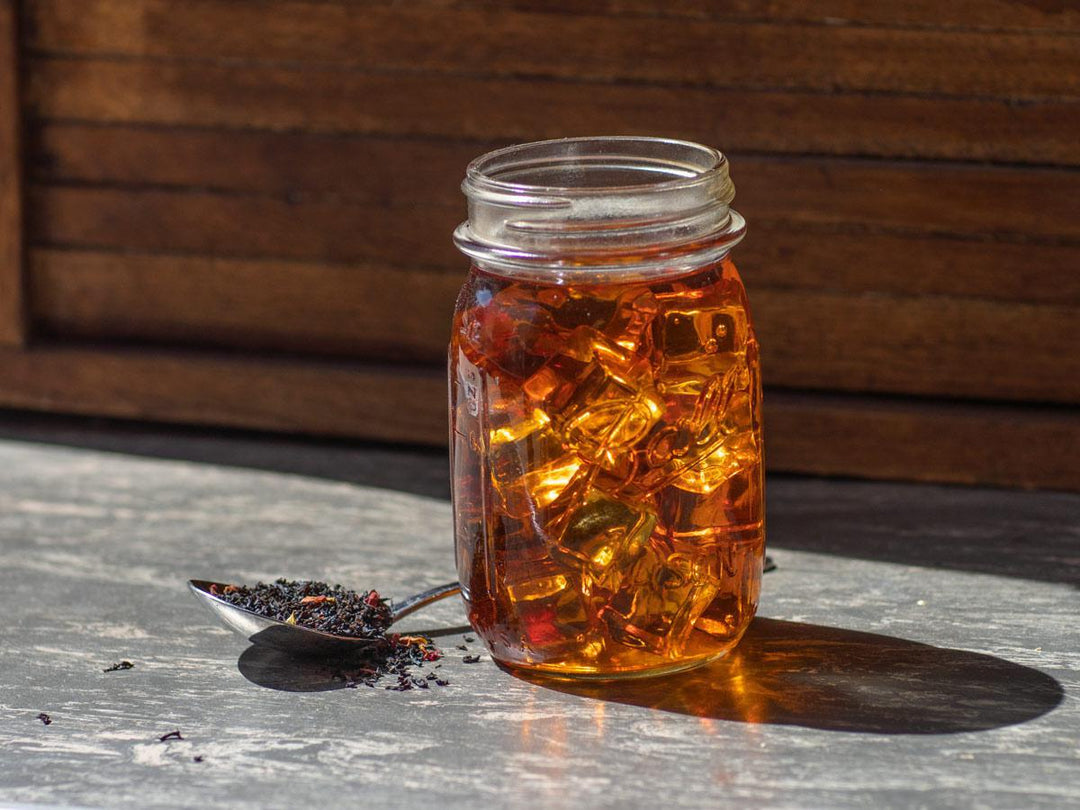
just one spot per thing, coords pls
(597, 166)
(607, 206)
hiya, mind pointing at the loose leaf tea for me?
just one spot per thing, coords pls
(333, 609)
(120, 666)
(314, 605)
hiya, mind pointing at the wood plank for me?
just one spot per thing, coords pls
(785, 253)
(905, 196)
(386, 170)
(1057, 16)
(870, 437)
(1025, 203)
(12, 305)
(375, 402)
(611, 47)
(355, 310)
(331, 101)
(798, 257)
(919, 345)
(874, 437)
(223, 225)
(923, 345)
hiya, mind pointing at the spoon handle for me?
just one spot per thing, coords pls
(413, 603)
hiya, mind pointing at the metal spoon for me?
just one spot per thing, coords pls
(302, 640)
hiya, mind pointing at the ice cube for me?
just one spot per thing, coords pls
(697, 343)
(512, 329)
(659, 600)
(622, 315)
(728, 512)
(635, 311)
(703, 449)
(738, 567)
(599, 396)
(554, 614)
(735, 454)
(530, 467)
(599, 535)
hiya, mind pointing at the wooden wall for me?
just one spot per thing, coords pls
(238, 212)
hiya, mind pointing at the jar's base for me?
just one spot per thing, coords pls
(555, 672)
(706, 650)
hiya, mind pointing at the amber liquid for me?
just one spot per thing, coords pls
(607, 463)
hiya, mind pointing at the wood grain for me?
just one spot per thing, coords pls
(12, 308)
(224, 225)
(356, 310)
(608, 47)
(919, 345)
(913, 197)
(377, 402)
(1051, 16)
(811, 339)
(333, 101)
(1020, 446)
(799, 257)
(385, 170)
(923, 441)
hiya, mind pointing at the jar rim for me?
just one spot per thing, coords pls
(606, 206)
(713, 165)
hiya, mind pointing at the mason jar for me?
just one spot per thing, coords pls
(605, 409)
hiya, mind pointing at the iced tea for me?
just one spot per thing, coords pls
(607, 462)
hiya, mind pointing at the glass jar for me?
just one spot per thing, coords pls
(605, 409)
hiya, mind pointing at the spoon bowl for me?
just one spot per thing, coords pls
(297, 640)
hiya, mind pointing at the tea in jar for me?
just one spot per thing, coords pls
(605, 400)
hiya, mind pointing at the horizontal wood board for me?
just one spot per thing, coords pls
(1053, 16)
(241, 96)
(585, 46)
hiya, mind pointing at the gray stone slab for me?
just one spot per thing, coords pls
(917, 648)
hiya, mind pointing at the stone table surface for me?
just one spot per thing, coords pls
(917, 647)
